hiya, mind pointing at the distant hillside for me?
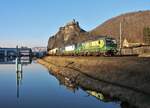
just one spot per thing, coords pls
(132, 26)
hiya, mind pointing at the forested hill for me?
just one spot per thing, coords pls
(132, 24)
(135, 26)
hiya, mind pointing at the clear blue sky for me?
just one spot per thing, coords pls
(32, 22)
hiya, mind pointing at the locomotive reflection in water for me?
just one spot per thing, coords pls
(19, 73)
(73, 85)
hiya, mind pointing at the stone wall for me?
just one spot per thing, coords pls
(136, 51)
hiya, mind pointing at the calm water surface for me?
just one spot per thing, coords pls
(36, 88)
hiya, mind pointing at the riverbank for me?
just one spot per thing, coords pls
(123, 78)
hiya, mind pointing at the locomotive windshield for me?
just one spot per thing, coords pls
(110, 42)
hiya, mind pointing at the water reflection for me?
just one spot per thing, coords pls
(19, 76)
(41, 90)
(68, 83)
(7, 60)
(99, 96)
(127, 98)
(11, 60)
(107, 98)
(72, 86)
(22, 61)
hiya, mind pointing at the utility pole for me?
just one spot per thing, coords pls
(120, 47)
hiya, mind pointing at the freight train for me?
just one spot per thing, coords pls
(106, 46)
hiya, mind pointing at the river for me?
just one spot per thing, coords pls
(35, 87)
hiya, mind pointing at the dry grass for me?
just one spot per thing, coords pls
(125, 78)
(130, 71)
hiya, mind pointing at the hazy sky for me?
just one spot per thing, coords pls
(32, 22)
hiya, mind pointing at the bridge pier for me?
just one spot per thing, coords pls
(5, 53)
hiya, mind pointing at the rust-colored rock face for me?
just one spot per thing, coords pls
(132, 26)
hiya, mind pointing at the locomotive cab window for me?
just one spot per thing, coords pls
(108, 42)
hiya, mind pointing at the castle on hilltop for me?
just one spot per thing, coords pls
(71, 28)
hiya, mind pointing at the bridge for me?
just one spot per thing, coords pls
(15, 52)
(9, 54)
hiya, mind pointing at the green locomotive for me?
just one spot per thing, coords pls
(102, 46)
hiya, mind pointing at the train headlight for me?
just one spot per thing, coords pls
(114, 41)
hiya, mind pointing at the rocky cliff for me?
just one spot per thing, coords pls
(71, 33)
(132, 25)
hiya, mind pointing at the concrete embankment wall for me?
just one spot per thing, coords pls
(141, 51)
(116, 76)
